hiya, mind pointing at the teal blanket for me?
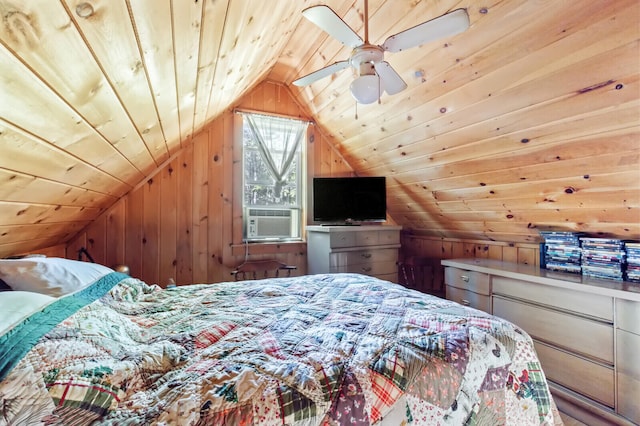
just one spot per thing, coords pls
(18, 341)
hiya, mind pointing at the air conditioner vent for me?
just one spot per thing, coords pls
(270, 212)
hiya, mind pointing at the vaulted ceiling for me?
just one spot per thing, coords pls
(528, 119)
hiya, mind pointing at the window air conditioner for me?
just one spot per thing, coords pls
(271, 223)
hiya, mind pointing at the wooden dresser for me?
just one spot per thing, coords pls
(367, 249)
(586, 331)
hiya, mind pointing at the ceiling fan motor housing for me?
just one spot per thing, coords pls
(364, 57)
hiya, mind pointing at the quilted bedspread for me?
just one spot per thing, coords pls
(341, 349)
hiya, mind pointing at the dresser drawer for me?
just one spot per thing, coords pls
(357, 257)
(373, 269)
(592, 305)
(577, 373)
(467, 280)
(342, 239)
(628, 315)
(628, 375)
(590, 338)
(469, 298)
(369, 262)
(388, 237)
(367, 238)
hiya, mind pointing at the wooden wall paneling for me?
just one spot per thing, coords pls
(14, 213)
(496, 252)
(529, 256)
(151, 231)
(318, 147)
(485, 68)
(210, 34)
(31, 246)
(21, 233)
(59, 250)
(249, 66)
(152, 20)
(558, 141)
(186, 39)
(97, 239)
(469, 249)
(326, 159)
(481, 251)
(510, 253)
(313, 141)
(82, 85)
(73, 247)
(200, 214)
(267, 93)
(113, 26)
(445, 248)
(168, 220)
(134, 232)
(37, 157)
(232, 202)
(531, 161)
(16, 186)
(411, 246)
(433, 274)
(161, 216)
(115, 234)
(185, 224)
(58, 124)
(218, 155)
(237, 17)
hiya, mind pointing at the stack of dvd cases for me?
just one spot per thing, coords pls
(562, 251)
(633, 261)
(603, 258)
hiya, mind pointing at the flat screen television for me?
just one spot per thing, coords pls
(345, 200)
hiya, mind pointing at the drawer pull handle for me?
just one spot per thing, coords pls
(465, 302)
(464, 278)
(366, 255)
(366, 269)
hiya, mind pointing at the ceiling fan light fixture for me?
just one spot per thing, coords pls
(366, 88)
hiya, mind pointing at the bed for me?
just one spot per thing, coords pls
(331, 349)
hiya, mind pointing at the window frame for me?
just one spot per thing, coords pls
(239, 211)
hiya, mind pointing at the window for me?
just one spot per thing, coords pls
(272, 172)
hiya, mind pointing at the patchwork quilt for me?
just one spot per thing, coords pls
(340, 349)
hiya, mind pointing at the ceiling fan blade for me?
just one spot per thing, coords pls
(332, 24)
(321, 73)
(392, 83)
(443, 26)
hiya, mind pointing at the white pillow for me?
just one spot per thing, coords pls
(50, 275)
(17, 305)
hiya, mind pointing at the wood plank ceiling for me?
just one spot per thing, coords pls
(530, 119)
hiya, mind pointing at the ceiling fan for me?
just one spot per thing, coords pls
(375, 75)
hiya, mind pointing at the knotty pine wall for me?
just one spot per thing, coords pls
(180, 223)
(183, 222)
(436, 249)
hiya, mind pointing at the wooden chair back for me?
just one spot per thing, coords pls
(259, 269)
(419, 273)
